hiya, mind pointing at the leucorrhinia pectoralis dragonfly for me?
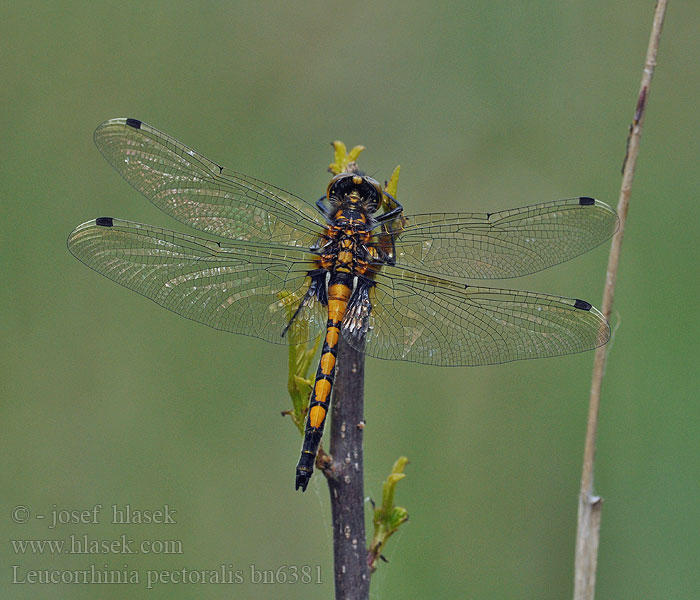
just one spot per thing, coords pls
(391, 285)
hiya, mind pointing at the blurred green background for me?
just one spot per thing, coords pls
(109, 399)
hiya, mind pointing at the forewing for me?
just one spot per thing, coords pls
(433, 321)
(202, 194)
(242, 288)
(504, 244)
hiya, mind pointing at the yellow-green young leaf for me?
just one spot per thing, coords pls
(388, 490)
(391, 188)
(344, 161)
(389, 486)
(399, 465)
(303, 386)
(340, 151)
(355, 153)
(387, 517)
(398, 516)
(305, 359)
(301, 353)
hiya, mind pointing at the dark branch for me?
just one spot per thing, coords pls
(345, 476)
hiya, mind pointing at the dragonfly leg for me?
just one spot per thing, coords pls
(391, 214)
(322, 208)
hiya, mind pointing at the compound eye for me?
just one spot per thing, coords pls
(333, 181)
(377, 189)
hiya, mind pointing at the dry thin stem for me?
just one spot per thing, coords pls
(589, 508)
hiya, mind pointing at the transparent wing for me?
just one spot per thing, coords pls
(242, 288)
(509, 243)
(202, 194)
(428, 320)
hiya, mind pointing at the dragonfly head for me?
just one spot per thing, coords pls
(355, 188)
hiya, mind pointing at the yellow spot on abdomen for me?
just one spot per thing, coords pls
(336, 309)
(332, 336)
(316, 416)
(327, 363)
(323, 388)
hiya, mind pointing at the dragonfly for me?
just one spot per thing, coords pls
(393, 286)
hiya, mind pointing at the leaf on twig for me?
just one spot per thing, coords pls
(387, 517)
(301, 353)
(344, 161)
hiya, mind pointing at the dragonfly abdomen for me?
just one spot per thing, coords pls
(339, 290)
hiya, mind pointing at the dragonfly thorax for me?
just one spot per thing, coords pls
(346, 246)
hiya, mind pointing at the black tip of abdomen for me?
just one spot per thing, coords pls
(302, 480)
